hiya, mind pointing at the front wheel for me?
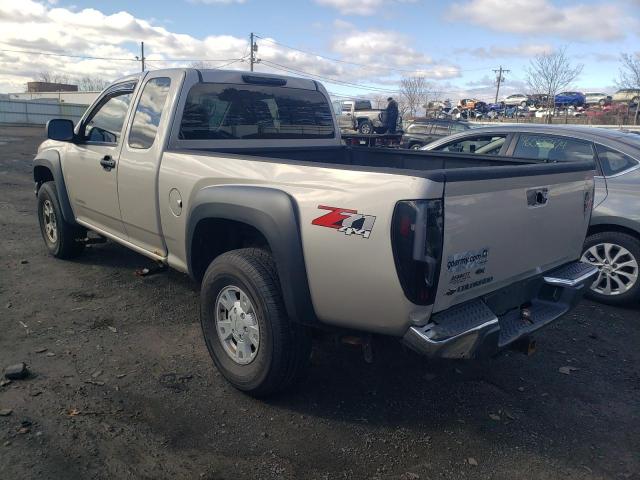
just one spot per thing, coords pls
(245, 325)
(62, 239)
(617, 256)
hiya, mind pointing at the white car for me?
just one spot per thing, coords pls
(517, 99)
(597, 98)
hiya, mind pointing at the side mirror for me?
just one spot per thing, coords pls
(60, 129)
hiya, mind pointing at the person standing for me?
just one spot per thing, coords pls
(391, 115)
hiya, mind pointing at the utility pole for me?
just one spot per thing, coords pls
(254, 48)
(499, 79)
(142, 55)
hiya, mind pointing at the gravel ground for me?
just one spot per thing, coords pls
(122, 386)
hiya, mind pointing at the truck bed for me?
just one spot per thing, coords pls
(439, 166)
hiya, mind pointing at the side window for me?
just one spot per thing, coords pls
(440, 129)
(148, 113)
(479, 144)
(106, 121)
(613, 162)
(553, 149)
(457, 128)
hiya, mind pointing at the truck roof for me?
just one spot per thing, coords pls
(235, 76)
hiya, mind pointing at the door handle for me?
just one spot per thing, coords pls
(108, 163)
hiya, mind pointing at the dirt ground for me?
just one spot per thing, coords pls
(122, 386)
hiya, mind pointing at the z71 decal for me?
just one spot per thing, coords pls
(346, 220)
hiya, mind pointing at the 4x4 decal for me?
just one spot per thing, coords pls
(346, 220)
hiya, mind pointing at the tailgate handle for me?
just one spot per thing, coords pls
(537, 197)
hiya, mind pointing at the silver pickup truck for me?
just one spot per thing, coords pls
(240, 180)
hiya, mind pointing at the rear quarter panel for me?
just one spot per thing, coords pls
(352, 279)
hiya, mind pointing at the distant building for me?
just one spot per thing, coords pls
(33, 87)
(78, 98)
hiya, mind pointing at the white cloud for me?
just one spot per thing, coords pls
(386, 52)
(578, 21)
(38, 27)
(499, 51)
(361, 7)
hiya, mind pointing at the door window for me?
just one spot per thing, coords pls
(478, 144)
(553, 149)
(613, 162)
(148, 113)
(105, 123)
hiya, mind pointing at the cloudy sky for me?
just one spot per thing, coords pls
(353, 46)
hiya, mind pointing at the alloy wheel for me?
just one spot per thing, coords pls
(618, 268)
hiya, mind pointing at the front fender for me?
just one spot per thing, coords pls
(274, 214)
(50, 159)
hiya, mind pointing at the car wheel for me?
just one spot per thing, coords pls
(416, 146)
(602, 103)
(62, 239)
(617, 256)
(250, 338)
(365, 128)
(523, 104)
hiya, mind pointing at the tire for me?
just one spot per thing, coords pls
(62, 239)
(365, 128)
(281, 356)
(602, 103)
(523, 104)
(416, 146)
(624, 287)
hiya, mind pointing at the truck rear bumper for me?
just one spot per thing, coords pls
(483, 326)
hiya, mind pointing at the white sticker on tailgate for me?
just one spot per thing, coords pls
(466, 261)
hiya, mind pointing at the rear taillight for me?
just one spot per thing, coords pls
(416, 236)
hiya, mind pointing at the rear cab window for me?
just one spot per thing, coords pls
(218, 111)
(550, 148)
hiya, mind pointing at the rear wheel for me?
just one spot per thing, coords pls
(617, 256)
(365, 127)
(248, 334)
(63, 240)
(416, 146)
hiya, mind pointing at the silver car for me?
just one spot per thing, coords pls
(613, 240)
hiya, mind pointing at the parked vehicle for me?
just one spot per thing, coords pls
(565, 99)
(467, 103)
(613, 240)
(627, 95)
(421, 132)
(240, 179)
(597, 98)
(517, 99)
(539, 100)
(359, 115)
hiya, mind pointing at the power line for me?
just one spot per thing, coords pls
(380, 67)
(49, 54)
(278, 66)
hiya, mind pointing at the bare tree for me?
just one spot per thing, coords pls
(92, 84)
(379, 101)
(415, 93)
(629, 77)
(550, 73)
(52, 77)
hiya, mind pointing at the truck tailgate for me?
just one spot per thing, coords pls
(506, 224)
